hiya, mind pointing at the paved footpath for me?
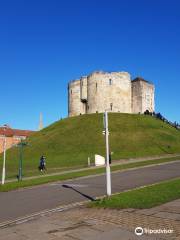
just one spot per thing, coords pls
(16, 204)
(82, 223)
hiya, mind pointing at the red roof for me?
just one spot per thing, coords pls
(9, 132)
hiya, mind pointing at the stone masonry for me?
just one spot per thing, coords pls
(114, 92)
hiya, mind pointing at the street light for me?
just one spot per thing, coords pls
(108, 170)
(21, 144)
(4, 156)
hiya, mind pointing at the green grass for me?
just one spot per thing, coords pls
(73, 175)
(146, 197)
(69, 142)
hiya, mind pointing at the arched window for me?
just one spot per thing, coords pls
(71, 91)
(110, 81)
(96, 86)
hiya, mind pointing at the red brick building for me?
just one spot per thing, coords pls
(13, 136)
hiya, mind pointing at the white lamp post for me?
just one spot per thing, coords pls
(108, 171)
(4, 158)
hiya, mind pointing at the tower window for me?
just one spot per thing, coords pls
(96, 86)
(71, 91)
(110, 81)
(111, 106)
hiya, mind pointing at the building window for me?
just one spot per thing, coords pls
(111, 106)
(71, 91)
(96, 86)
(110, 81)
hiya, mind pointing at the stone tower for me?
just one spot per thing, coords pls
(142, 96)
(109, 91)
(112, 91)
(75, 105)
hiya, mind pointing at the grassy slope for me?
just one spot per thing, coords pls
(69, 142)
(146, 197)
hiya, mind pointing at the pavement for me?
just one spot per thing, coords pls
(82, 223)
(25, 202)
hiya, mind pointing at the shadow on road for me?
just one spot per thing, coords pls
(84, 195)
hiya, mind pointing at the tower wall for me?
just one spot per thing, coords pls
(75, 106)
(136, 97)
(83, 89)
(142, 96)
(148, 97)
(109, 91)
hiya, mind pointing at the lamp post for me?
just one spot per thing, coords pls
(20, 145)
(4, 156)
(108, 170)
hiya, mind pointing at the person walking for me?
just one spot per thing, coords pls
(42, 164)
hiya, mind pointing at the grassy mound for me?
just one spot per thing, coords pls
(69, 142)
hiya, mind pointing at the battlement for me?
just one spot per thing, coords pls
(72, 82)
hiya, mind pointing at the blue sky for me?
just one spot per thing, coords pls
(44, 44)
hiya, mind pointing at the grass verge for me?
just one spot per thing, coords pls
(47, 179)
(142, 198)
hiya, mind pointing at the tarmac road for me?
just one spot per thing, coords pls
(19, 203)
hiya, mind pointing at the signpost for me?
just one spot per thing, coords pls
(108, 170)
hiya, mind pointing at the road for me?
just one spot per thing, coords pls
(19, 203)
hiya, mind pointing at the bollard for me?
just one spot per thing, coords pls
(89, 162)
